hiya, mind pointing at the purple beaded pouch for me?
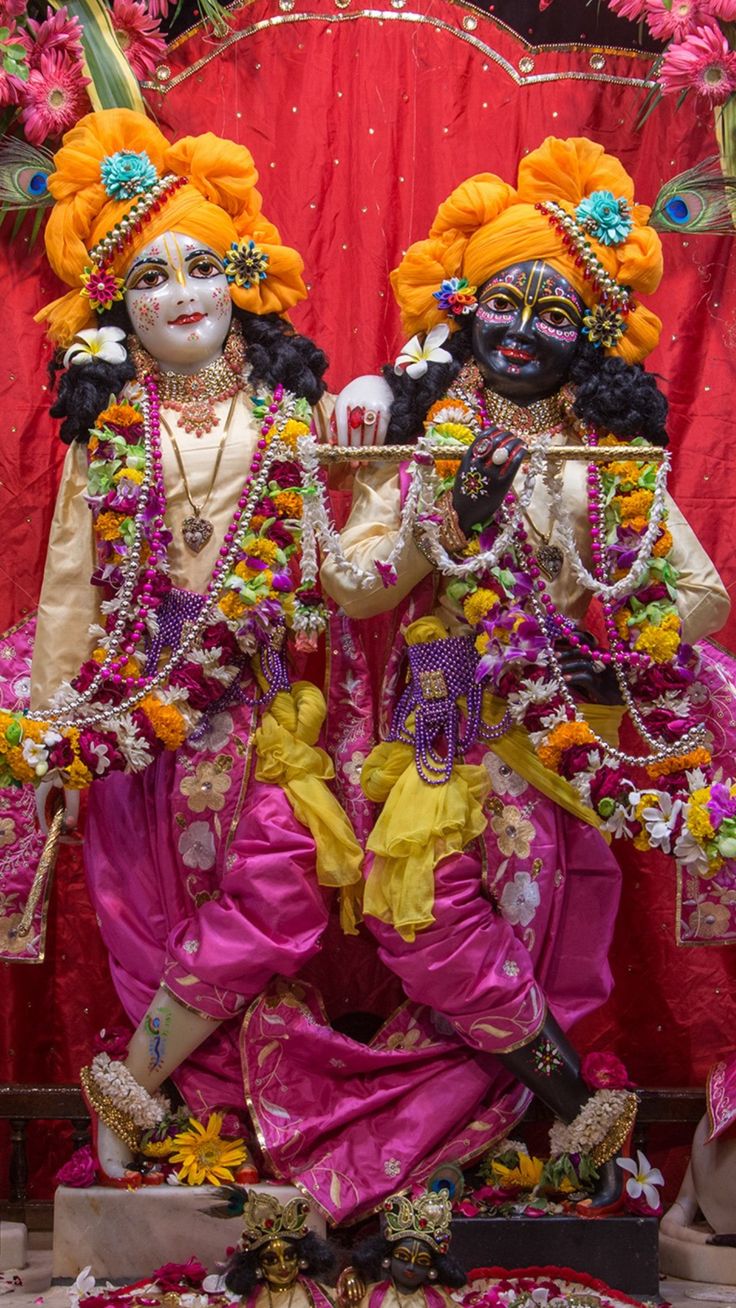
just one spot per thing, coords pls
(442, 673)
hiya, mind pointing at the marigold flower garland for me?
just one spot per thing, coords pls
(130, 700)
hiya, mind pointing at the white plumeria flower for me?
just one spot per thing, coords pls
(96, 343)
(84, 1285)
(644, 1178)
(415, 357)
(660, 822)
(617, 824)
(690, 852)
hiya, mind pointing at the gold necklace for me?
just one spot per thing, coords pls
(196, 530)
(541, 417)
(194, 395)
(269, 1292)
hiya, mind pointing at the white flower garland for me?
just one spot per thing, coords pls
(589, 1129)
(317, 524)
(119, 1085)
(562, 517)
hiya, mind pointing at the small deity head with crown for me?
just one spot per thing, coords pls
(277, 1250)
(410, 1256)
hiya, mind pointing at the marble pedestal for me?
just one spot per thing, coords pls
(123, 1235)
(13, 1246)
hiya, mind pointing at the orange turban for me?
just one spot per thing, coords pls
(486, 225)
(218, 204)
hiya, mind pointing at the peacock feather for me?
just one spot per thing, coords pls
(699, 201)
(237, 1197)
(24, 174)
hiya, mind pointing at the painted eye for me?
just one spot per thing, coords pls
(556, 318)
(206, 267)
(500, 304)
(148, 279)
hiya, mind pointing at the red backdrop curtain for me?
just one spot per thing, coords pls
(361, 122)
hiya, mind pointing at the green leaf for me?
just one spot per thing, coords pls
(114, 85)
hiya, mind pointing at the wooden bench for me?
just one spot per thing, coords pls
(22, 1105)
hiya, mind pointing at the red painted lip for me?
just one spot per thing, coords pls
(185, 319)
(518, 356)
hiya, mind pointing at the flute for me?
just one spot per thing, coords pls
(566, 453)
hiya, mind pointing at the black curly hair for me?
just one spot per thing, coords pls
(368, 1258)
(275, 352)
(612, 395)
(241, 1271)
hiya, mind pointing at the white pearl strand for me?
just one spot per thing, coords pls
(661, 750)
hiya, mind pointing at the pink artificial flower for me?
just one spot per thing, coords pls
(112, 1040)
(159, 8)
(602, 1071)
(675, 19)
(57, 32)
(172, 1276)
(80, 1171)
(10, 9)
(467, 1208)
(703, 63)
(53, 97)
(632, 9)
(11, 88)
(139, 36)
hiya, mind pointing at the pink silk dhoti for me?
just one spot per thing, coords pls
(513, 932)
(202, 877)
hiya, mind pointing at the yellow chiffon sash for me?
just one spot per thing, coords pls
(288, 757)
(421, 824)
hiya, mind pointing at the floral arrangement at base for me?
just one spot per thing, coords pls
(175, 1285)
(515, 1183)
(518, 1184)
(540, 1287)
(180, 1150)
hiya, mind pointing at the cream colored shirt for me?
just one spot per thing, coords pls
(375, 518)
(69, 605)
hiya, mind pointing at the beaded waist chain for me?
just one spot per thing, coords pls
(443, 689)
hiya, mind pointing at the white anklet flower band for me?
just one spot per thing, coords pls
(120, 1102)
(600, 1128)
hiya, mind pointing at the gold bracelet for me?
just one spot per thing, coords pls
(615, 1138)
(120, 1122)
(422, 544)
(452, 536)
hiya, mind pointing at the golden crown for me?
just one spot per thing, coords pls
(264, 1219)
(426, 1218)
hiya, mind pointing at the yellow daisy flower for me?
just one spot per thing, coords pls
(204, 1156)
(527, 1175)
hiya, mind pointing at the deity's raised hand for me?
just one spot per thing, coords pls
(486, 473)
(363, 411)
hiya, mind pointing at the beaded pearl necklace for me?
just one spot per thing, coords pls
(134, 609)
